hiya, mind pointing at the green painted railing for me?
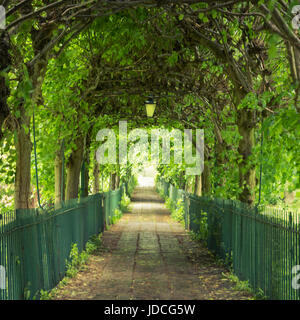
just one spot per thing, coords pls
(35, 244)
(262, 245)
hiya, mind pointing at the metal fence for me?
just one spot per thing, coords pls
(262, 245)
(35, 244)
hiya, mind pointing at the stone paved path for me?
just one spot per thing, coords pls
(147, 255)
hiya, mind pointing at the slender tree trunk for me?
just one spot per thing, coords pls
(198, 185)
(86, 178)
(96, 173)
(219, 161)
(293, 54)
(113, 181)
(23, 147)
(182, 180)
(205, 176)
(206, 184)
(117, 181)
(118, 178)
(58, 174)
(189, 185)
(246, 144)
(87, 165)
(73, 169)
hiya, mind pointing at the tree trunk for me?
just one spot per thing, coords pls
(198, 185)
(73, 169)
(182, 180)
(85, 172)
(205, 176)
(189, 185)
(113, 181)
(87, 179)
(118, 178)
(246, 144)
(36, 73)
(293, 54)
(206, 185)
(23, 147)
(219, 160)
(58, 174)
(117, 181)
(96, 171)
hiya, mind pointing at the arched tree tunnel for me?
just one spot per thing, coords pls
(71, 69)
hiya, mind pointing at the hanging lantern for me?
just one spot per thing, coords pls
(150, 107)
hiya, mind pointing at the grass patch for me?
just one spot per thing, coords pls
(177, 209)
(244, 286)
(77, 262)
(117, 216)
(125, 202)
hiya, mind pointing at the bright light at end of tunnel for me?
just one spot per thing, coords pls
(146, 178)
